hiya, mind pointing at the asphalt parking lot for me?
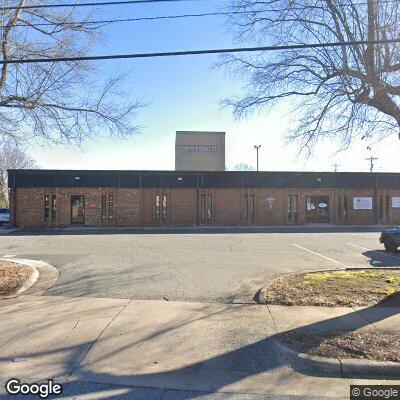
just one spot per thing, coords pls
(208, 267)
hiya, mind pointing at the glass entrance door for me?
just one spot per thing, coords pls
(248, 210)
(206, 211)
(77, 209)
(317, 209)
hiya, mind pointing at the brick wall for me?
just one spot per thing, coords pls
(182, 208)
(128, 204)
(29, 208)
(136, 207)
(227, 206)
(270, 206)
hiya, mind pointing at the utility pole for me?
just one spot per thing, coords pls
(371, 162)
(257, 148)
(335, 166)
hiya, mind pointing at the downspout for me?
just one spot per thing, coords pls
(15, 207)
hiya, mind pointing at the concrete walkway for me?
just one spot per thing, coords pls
(212, 229)
(116, 348)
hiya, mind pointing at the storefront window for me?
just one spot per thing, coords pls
(53, 206)
(164, 207)
(46, 206)
(295, 207)
(157, 207)
(206, 207)
(209, 207)
(110, 206)
(103, 207)
(248, 211)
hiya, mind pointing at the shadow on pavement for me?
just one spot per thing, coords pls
(382, 258)
(215, 373)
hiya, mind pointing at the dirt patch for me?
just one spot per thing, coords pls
(338, 288)
(378, 346)
(11, 276)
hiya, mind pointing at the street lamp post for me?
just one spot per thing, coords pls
(257, 148)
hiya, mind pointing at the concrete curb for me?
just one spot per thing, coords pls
(28, 282)
(71, 230)
(345, 368)
(329, 365)
(43, 276)
(7, 231)
(261, 296)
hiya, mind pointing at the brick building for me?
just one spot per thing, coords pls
(57, 198)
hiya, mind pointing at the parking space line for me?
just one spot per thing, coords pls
(374, 251)
(319, 255)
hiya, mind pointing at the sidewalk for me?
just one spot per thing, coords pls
(158, 349)
(203, 229)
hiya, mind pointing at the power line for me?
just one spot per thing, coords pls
(127, 2)
(336, 165)
(110, 21)
(198, 52)
(88, 4)
(371, 162)
(154, 18)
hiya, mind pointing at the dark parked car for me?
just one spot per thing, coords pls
(390, 238)
(4, 216)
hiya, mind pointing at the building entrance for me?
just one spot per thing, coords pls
(77, 209)
(206, 210)
(248, 211)
(317, 209)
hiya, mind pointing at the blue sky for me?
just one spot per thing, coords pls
(184, 93)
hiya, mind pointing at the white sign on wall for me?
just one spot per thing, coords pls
(395, 202)
(362, 203)
(270, 202)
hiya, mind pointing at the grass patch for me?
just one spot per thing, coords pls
(11, 276)
(337, 288)
(367, 345)
(349, 275)
(394, 279)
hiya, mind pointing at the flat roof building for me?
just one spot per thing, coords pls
(199, 151)
(57, 198)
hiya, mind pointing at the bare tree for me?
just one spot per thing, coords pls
(243, 167)
(11, 157)
(58, 101)
(336, 92)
